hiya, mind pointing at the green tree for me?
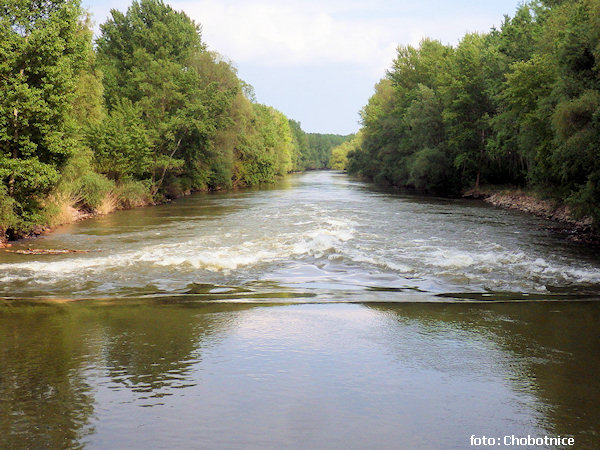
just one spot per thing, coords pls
(405, 117)
(300, 143)
(523, 137)
(468, 108)
(577, 115)
(42, 50)
(121, 143)
(152, 56)
(339, 154)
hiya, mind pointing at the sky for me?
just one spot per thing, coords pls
(317, 61)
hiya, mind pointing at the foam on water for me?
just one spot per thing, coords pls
(208, 253)
(383, 240)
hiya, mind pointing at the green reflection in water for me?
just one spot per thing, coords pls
(50, 352)
(78, 373)
(551, 347)
(45, 401)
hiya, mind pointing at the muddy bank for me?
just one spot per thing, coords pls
(74, 216)
(69, 214)
(574, 228)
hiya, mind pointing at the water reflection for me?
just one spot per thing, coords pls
(45, 357)
(549, 349)
(152, 348)
(54, 358)
(181, 373)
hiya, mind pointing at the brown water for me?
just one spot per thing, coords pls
(320, 313)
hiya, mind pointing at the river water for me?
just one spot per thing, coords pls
(318, 313)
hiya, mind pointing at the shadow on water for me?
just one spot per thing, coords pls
(550, 349)
(45, 400)
(54, 356)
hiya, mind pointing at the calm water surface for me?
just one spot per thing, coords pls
(317, 313)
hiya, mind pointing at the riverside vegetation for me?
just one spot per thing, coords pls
(146, 114)
(517, 106)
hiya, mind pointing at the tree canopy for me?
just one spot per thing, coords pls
(146, 113)
(519, 105)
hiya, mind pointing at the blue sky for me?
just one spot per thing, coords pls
(317, 61)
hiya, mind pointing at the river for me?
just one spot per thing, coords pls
(320, 312)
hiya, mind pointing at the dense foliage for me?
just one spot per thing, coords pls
(147, 114)
(519, 105)
(41, 50)
(319, 150)
(339, 154)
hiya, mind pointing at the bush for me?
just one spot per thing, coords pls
(92, 189)
(133, 193)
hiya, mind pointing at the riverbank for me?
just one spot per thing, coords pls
(314, 234)
(577, 229)
(567, 223)
(68, 213)
(68, 217)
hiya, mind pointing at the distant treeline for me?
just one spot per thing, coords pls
(145, 113)
(519, 105)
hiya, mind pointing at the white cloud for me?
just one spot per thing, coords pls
(316, 32)
(310, 32)
(282, 34)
